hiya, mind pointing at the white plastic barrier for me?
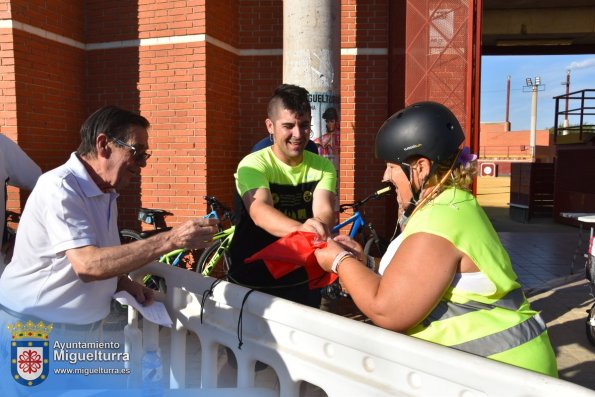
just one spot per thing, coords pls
(341, 356)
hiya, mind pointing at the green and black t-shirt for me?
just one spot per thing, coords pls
(292, 189)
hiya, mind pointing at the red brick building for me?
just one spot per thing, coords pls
(501, 147)
(202, 71)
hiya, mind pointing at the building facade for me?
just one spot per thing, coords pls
(202, 72)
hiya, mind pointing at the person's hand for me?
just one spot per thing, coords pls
(142, 294)
(195, 233)
(351, 245)
(326, 256)
(316, 225)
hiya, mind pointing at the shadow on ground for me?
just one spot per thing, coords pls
(564, 309)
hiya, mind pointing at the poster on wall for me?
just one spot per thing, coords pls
(326, 132)
(325, 125)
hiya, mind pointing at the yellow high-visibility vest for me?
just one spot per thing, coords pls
(500, 326)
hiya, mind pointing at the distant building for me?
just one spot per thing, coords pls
(501, 147)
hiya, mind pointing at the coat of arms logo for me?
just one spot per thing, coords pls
(29, 352)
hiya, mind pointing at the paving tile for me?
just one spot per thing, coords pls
(541, 253)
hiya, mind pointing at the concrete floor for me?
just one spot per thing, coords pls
(541, 252)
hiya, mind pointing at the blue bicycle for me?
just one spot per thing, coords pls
(361, 231)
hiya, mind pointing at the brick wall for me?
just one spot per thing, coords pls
(206, 97)
(8, 105)
(222, 74)
(49, 92)
(113, 78)
(43, 87)
(261, 26)
(259, 75)
(364, 105)
(62, 17)
(172, 97)
(164, 82)
(222, 123)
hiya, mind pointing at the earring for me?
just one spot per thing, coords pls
(271, 138)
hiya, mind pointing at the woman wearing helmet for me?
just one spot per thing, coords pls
(446, 278)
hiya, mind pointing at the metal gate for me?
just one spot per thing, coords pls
(442, 58)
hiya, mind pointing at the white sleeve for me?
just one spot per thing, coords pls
(66, 216)
(22, 171)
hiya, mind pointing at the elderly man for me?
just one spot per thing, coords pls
(68, 261)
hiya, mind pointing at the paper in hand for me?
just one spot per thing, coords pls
(155, 312)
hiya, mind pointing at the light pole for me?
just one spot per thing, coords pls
(567, 84)
(534, 87)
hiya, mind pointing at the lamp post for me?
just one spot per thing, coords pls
(567, 84)
(534, 87)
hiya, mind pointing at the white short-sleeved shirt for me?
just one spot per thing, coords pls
(65, 210)
(19, 170)
(473, 282)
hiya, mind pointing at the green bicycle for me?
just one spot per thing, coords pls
(179, 257)
(206, 262)
(215, 261)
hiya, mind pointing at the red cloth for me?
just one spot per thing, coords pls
(292, 251)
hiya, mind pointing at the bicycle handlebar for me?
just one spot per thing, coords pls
(217, 206)
(374, 196)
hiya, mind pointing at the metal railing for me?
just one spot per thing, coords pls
(578, 106)
(505, 152)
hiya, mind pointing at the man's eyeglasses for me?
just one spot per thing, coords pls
(136, 155)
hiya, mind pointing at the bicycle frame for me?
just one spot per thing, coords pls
(357, 222)
(173, 257)
(358, 225)
(216, 206)
(225, 237)
(212, 215)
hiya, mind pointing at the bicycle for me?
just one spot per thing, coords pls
(156, 218)
(215, 261)
(374, 246)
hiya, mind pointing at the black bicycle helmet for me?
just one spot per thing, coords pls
(426, 129)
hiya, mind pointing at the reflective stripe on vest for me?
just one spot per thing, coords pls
(444, 310)
(494, 343)
(506, 339)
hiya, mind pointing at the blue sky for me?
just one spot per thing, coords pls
(552, 70)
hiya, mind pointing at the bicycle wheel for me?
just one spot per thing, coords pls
(128, 236)
(590, 326)
(375, 247)
(222, 261)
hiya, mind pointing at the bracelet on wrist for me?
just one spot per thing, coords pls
(341, 256)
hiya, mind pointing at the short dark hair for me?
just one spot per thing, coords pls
(111, 120)
(330, 114)
(291, 97)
